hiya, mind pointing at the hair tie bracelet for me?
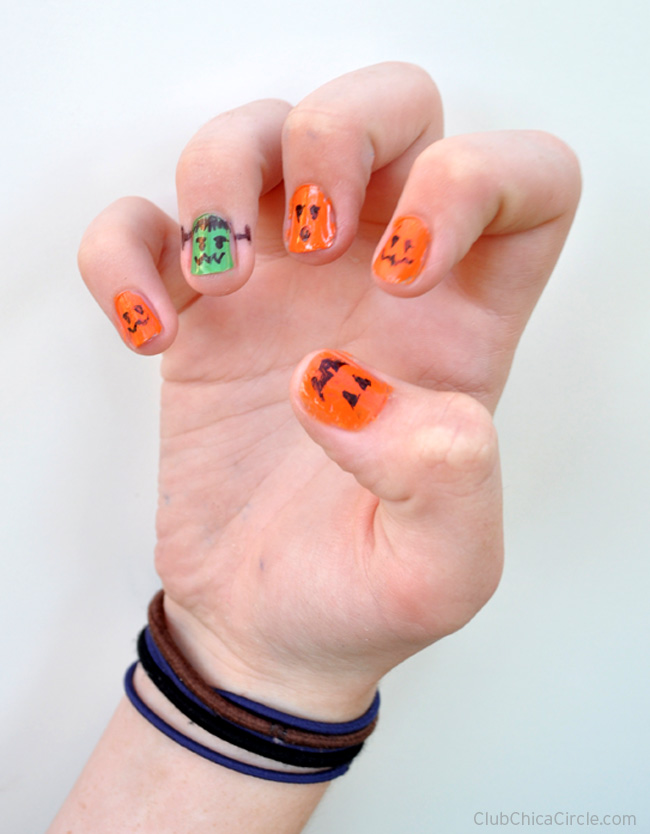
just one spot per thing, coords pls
(250, 715)
(218, 758)
(271, 748)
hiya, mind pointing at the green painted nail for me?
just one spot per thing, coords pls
(211, 245)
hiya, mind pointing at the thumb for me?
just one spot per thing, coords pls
(431, 459)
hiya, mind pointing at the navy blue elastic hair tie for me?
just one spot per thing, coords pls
(327, 728)
(218, 758)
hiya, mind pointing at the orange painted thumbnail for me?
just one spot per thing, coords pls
(337, 391)
(138, 321)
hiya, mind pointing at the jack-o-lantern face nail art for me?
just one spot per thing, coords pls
(336, 390)
(311, 220)
(402, 256)
(138, 321)
(212, 245)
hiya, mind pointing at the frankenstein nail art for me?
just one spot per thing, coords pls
(311, 220)
(138, 321)
(212, 245)
(337, 391)
(402, 256)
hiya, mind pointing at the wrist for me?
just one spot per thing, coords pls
(171, 715)
(262, 674)
(315, 750)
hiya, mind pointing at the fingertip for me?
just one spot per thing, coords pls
(310, 224)
(125, 259)
(402, 252)
(334, 389)
(404, 443)
(412, 256)
(144, 328)
(318, 227)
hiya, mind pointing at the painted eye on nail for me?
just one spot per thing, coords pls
(313, 210)
(326, 370)
(299, 211)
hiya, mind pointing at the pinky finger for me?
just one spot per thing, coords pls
(128, 259)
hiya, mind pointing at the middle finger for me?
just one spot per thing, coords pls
(372, 120)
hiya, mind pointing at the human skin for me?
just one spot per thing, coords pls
(302, 560)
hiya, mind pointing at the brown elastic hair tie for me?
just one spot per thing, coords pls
(233, 712)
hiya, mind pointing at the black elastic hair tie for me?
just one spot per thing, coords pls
(270, 748)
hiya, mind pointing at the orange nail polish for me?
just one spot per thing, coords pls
(337, 391)
(311, 220)
(402, 256)
(138, 321)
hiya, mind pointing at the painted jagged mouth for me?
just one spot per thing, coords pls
(139, 323)
(394, 262)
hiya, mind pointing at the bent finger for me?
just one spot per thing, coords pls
(491, 190)
(221, 174)
(431, 459)
(336, 137)
(128, 258)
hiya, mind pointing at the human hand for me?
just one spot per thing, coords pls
(300, 566)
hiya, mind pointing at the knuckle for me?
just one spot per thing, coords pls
(458, 168)
(84, 255)
(316, 127)
(96, 248)
(556, 151)
(110, 236)
(194, 163)
(567, 158)
(463, 442)
(421, 76)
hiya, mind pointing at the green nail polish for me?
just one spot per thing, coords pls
(211, 245)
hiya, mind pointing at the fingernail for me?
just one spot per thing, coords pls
(402, 256)
(138, 321)
(311, 220)
(212, 245)
(337, 391)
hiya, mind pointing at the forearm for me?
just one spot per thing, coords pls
(139, 780)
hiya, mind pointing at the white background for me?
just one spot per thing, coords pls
(540, 704)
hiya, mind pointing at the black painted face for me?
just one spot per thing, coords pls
(311, 220)
(133, 322)
(396, 250)
(308, 211)
(402, 256)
